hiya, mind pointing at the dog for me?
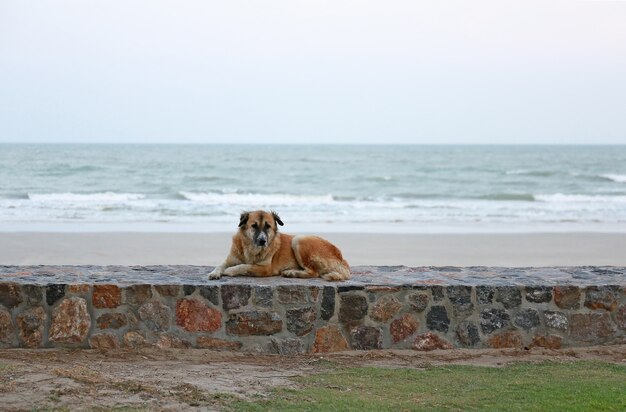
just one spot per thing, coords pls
(258, 249)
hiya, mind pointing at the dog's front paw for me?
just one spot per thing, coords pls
(215, 274)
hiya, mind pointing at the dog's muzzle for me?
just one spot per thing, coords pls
(261, 240)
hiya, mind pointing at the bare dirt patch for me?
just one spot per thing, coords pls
(193, 379)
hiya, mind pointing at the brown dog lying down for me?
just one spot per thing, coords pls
(259, 250)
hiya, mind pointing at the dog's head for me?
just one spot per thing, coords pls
(260, 226)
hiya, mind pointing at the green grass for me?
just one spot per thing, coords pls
(571, 386)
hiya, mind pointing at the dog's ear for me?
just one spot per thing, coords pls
(243, 218)
(277, 218)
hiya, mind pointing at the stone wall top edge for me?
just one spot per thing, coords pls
(363, 276)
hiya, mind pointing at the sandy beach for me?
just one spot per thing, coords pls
(534, 249)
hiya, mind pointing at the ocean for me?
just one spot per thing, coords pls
(369, 188)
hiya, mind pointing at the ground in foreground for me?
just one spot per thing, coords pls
(573, 379)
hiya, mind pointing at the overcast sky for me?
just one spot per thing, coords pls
(312, 71)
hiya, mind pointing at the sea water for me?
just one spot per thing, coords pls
(317, 187)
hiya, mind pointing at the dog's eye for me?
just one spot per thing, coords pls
(255, 226)
(267, 225)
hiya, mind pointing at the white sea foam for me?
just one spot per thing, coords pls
(516, 172)
(255, 199)
(562, 198)
(100, 198)
(384, 178)
(615, 178)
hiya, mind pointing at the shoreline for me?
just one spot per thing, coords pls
(384, 228)
(438, 249)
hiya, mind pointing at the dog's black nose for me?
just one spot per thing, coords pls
(262, 242)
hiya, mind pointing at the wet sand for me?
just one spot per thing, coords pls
(526, 249)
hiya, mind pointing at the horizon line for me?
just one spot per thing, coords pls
(306, 144)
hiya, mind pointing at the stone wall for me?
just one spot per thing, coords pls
(381, 307)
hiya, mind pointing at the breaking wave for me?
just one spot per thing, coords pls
(562, 198)
(255, 199)
(103, 197)
(615, 178)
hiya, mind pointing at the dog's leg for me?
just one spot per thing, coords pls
(298, 273)
(219, 270)
(250, 270)
(337, 271)
(335, 276)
